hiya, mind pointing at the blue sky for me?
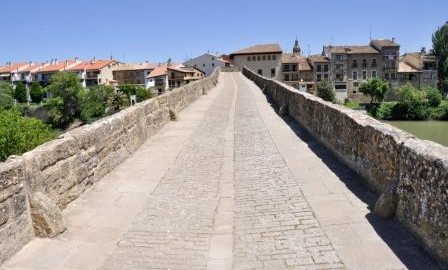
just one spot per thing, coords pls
(140, 30)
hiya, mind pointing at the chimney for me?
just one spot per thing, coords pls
(56, 61)
(423, 50)
(76, 59)
(93, 60)
(393, 39)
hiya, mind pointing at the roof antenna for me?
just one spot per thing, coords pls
(370, 30)
(309, 50)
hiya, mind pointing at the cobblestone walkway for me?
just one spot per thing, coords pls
(274, 226)
(229, 185)
(175, 227)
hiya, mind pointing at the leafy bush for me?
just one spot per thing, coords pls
(413, 104)
(94, 103)
(6, 95)
(141, 93)
(36, 92)
(410, 111)
(20, 134)
(433, 95)
(382, 110)
(6, 101)
(441, 112)
(55, 107)
(325, 91)
(65, 104)
(20, 93)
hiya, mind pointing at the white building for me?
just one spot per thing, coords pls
(207, 63)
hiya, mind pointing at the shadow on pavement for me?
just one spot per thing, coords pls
(399, 240)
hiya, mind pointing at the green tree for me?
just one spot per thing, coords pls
(374, 88)
(433, 95)
(6, 95)
(141, 93)
(440, 50)
(36, 92)
(326, 92)
(19, 134)
(20, 93)
(117, 101)
(94, 102)
(413, 104)
(66, 88)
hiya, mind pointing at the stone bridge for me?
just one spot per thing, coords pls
(227, 184)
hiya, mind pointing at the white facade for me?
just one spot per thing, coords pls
(206, 63)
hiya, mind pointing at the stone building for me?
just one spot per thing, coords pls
(264, 59)
(296, 70)
(180, 76)
(134, 74)
(166, 77)
(418, 68)
(352, 65)
(94, 72)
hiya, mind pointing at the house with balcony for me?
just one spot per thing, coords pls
(169, 76)
(43, 74)
(321, 67)
(390, 57)
(10, 72)
(419, 69)
(180, 76)
(135, 74)
(352, 65)
(94, 72)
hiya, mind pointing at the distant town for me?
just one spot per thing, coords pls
(344, 67)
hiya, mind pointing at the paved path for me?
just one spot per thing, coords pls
(230, 185)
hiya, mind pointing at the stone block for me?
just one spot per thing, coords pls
(46, 215)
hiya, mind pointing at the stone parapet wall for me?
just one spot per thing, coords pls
(386, 157)
(37, 186)
(16, 228)
(231, 69)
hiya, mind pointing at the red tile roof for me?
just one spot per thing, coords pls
(91, 65)
(33, 67)
(404, 67)
(158, 71)
(13, 67)
(57, 66)
(162, 70)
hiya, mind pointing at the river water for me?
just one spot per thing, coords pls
(436, 131)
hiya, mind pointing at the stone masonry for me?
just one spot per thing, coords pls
(229, 185)
(386, 157)
(175, 229)
(41, 183)
(274, 226)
